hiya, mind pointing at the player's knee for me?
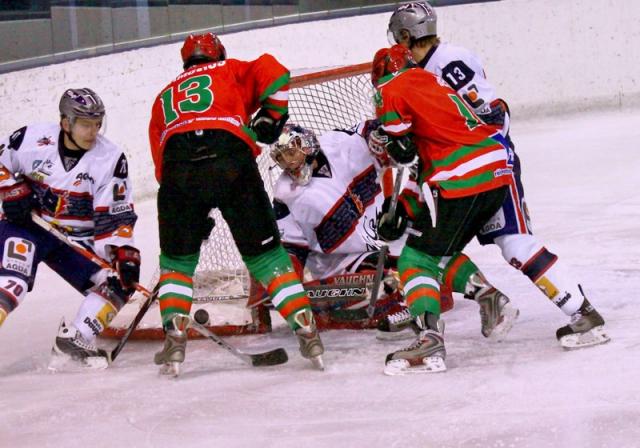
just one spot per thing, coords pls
(12, 292)
(518, 249)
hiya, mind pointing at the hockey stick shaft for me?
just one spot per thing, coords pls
(397, 185)
(382, 256)
(132, 326)
(38, 220)
(268, 358)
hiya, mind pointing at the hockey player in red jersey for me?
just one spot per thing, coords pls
(464, 167)
(414, 25)
(77, 180)
(204, 149)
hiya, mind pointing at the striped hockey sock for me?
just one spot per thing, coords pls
(175, 294)
(274, 270)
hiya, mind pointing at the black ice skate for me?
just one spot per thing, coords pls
(310, 344)
(396, 326)
(175, 346)
(585, 329)
(497, 314)
(71, 346)
(425, 355)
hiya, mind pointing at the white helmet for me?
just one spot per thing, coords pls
(417, 18)
(295, 137)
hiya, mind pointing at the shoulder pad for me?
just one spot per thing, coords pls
(122, 168)
(16, 138)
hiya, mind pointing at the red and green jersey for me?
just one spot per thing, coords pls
(218, 95)
(460, 155)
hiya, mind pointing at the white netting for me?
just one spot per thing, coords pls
(334, 99)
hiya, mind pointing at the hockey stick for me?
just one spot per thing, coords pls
(39, 221)
(113, 354)
(269, 358)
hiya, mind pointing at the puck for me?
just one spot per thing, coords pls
(201, 316)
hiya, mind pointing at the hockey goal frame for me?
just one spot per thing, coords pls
(320, 100)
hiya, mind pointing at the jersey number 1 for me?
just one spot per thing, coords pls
(198, 97)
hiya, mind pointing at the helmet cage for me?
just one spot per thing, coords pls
(418, 19)
(296, 137)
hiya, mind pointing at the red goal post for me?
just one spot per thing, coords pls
(337, 98)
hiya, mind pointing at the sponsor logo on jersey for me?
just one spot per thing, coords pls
(18, 255)
(83, 176)
(502, 172)
(45, 141)
(119, 192)
(122, 168)
(497, 222)
(116, 209)
(123, 232)
(41, 169)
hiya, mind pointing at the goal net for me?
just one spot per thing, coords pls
(331, 99)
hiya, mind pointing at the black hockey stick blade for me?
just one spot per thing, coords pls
(272, 358)
(269, 358)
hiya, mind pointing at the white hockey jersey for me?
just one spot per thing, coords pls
(332, 219)
(91, 202)
(463, 72)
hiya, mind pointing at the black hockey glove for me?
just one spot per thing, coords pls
(17, 202)
(496, 114)
(392, 227)
(126, 262)
(402, 149)
(267, 128)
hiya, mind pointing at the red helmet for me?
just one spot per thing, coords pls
(202, 47)
(389, 60)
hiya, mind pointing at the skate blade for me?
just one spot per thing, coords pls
(170, 369)
(318, 362)
(430, 364)
(595, 336)
(64, 363)
(509, 316)
(395, 335)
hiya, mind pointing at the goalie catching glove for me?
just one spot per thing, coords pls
(126, 262)
(267, 128)
(391, 228)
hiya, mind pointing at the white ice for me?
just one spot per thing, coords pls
(583, 187)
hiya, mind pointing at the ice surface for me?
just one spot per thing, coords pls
(582, 179)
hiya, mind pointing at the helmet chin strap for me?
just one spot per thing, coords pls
(70, 137)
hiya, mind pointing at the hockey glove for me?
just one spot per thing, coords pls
(392, 227)
(126, 262)
(402, 149)
(267, 128)
(17, 202)
(377, 141)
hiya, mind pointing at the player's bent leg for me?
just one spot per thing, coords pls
(526, 254)
(274, 270)
(175, 296)
(497, 314)
(418, 273)
(13, 289)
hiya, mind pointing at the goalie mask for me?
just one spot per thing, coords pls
(295, 151)
(414, 20)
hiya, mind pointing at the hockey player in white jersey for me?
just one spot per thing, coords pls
(414, 25)
(327, 201)
(77, 180)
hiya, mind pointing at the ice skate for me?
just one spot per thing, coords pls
(585, 329)
(425, 355)
(396, 326)
(496, 312)
(175, 345)
(310, 344)
(71, 346)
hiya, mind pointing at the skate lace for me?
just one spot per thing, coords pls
(399, 316)
(79, 341)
